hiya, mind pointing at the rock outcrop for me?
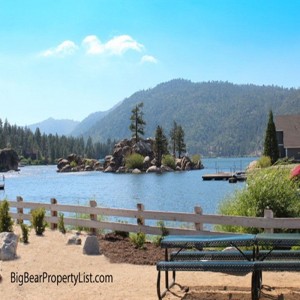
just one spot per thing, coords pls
(116, 162)
(8, 245)
(75, 163)
(9, 160)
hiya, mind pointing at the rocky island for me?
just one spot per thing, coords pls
(118, 161)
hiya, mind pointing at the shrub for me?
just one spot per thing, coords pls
(168, 160)
(25, 233)
(264, 162)
(73, 164)
(138, 240)
(196, 158)
(164, 232)
(134, 161)
(61, 224)
(6, 222)
(269, 187)
(38, 220)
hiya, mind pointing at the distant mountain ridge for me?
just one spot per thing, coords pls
(53, 126)
(219, 118)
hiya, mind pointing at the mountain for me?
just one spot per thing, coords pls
(52, 126)
(90, 121)
(218, 118)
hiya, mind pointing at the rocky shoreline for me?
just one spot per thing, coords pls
(116, 163)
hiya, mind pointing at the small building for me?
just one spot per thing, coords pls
(288, 135)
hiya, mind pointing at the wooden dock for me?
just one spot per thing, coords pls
(218, 176)
(232, 177)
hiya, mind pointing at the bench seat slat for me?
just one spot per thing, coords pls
(234, 255)
(229, 266)
(211, 266)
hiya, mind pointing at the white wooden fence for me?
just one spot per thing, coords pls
(191, 223)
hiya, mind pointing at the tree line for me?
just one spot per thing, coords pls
(41, 148)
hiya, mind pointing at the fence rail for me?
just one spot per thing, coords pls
(140, 216)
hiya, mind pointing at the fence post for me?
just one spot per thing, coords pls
(268, 214)
(198, 210)
(53, 201)
(20, 211)
(93, 217)
(140, 220)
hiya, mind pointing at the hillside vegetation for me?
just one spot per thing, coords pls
(218, 118)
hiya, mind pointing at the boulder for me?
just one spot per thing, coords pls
(66, 168)
(62, 163)
(166, 169)
(8, 245)
(109, 169)
(136, 171)
(153, 169)
(144, 148)
(91, 245)
(9, 160)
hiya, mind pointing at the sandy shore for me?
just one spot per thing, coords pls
(50, 256)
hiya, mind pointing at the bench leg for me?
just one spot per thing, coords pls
(158, 287)
(256, 284)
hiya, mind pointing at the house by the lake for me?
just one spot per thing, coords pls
(288, 135)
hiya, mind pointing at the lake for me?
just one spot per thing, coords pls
(175, 191)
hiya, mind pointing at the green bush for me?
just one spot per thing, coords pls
(264, 162)
(61, 224)
(73, 164)
(168, 160)
(6, 222)
(134, 161)
(138, 239)
(25, 233)
(164, 232)
(38, 220)
(196, 158)
(269, 187)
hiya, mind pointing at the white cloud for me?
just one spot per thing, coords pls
(118, 45)
(149, 59)
(93, 45)
(63, 49)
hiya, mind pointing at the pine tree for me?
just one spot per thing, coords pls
(180, 144)
(161, 145)
(271, 145)
(137, 122)
(173, 138)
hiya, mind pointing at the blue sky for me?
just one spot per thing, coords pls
(66, 59)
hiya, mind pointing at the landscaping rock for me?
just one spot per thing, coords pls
(74, 240)
(8, 245)
(91, 245)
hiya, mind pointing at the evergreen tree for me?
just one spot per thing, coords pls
(271, 145)
(137, 122)
(180, 144)
(161, 145)
(173, 138)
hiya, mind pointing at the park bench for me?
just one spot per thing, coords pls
(236, 262)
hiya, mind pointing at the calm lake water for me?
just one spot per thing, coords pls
(176, 191)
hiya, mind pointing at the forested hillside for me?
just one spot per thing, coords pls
(219, 118)
(38, 148)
